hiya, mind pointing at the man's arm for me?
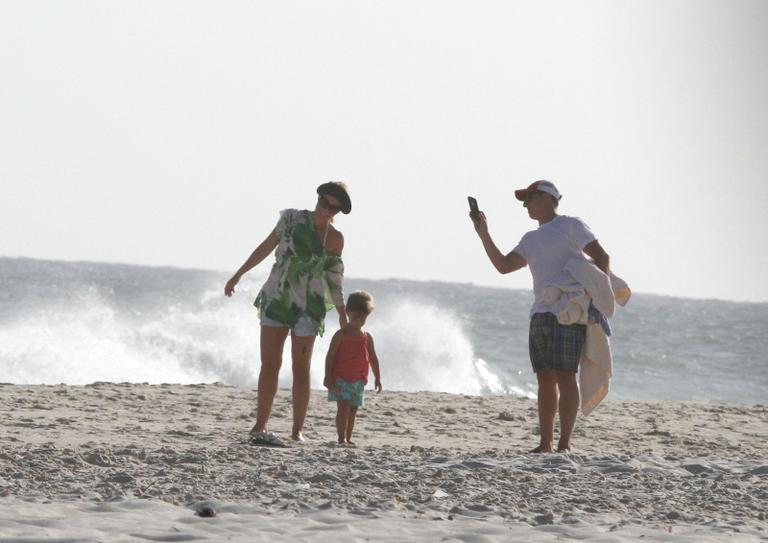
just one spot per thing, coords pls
(503, 263)
(596, 252)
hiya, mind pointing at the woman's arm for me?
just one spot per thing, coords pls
(260, 253)
(335, 276)
(374, 363)
(335, 242)
(343, 320)
(330, 358)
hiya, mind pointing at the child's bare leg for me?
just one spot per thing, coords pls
(342, 416)
(351, 422)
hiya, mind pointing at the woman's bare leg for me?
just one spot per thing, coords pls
(272, 342)
(569, 407)
(301, 356)
(547, 401)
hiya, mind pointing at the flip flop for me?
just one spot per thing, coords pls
(266, 439)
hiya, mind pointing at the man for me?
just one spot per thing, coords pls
(554, 348)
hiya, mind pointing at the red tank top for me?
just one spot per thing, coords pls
(352, 359)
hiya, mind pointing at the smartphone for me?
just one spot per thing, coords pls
(474, 211)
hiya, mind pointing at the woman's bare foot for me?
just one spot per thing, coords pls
(563, 447)
(298, 437)
(542, 448)
(256, 430)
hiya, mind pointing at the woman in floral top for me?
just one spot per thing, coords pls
(305, 281)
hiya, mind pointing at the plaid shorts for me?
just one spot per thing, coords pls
(553, 345)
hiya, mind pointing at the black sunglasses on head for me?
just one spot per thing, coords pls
(328, 205)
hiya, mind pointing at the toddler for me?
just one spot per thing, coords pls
(346, 365)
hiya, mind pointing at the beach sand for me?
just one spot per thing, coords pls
(135, 462)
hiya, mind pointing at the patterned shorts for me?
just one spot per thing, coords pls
(553, 345)
(350, 392)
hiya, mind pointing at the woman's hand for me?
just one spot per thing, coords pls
(328, 382)
(259, 253)
(342, 316)
(229, 288)
(480, 223)
(377, 386)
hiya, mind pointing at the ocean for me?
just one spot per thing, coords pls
(79, 322)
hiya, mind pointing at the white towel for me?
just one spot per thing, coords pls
(595, 368)
(588, 283)
(570, 304)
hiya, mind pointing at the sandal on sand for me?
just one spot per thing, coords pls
(266, 439)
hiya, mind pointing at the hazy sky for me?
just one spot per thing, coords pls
(172, 133)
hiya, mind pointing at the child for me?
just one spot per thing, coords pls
(346, 365)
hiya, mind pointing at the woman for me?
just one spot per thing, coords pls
(305, 281)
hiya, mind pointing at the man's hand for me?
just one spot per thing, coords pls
(377, 386)
(480, 222)
(328, 382)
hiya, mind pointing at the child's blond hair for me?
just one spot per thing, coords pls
(360, 301)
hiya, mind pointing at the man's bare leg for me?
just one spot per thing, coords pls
(271, 342)
(569, 407)
(301, 356)
(547, 401)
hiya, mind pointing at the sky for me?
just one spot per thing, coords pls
(172, 133)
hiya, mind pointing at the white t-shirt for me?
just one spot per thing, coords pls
(548, 248)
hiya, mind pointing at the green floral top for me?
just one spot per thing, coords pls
(305, 277)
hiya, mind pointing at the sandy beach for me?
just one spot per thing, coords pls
(136, 462)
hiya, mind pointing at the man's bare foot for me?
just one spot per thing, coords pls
(563, 447)
(542, 449)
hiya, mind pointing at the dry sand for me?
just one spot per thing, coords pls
(132, 462)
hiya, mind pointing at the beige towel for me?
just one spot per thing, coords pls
(596, 362)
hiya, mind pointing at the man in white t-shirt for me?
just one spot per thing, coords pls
(554, 348)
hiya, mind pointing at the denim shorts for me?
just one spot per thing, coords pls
(553, 345)
(304, 327)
